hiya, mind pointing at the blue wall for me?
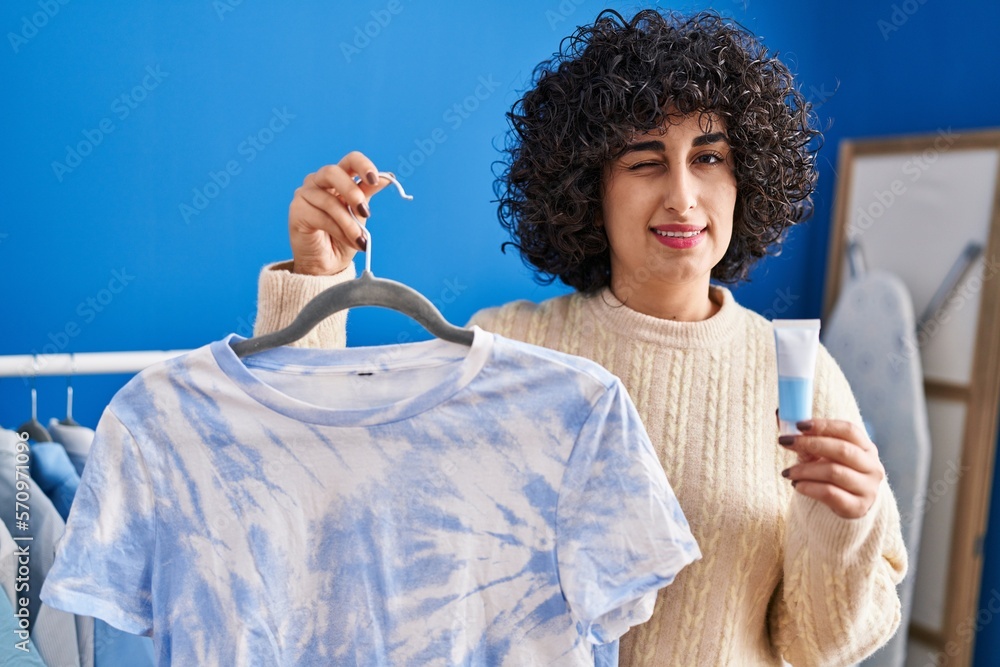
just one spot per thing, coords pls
(99, 253)
(156, 148)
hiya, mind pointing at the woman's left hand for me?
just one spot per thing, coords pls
(838, 466)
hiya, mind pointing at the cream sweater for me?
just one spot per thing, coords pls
(782, 575)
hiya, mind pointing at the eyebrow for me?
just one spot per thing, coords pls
(654, 145)
(712, 138)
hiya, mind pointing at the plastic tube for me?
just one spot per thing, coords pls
(797, 343)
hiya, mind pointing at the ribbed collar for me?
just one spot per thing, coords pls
(622, 320)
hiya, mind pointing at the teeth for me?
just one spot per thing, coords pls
(677, 235)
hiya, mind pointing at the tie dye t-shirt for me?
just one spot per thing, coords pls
(418, 504)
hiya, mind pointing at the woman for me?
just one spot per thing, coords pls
(651, 156)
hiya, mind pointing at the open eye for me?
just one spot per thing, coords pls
(710, 158)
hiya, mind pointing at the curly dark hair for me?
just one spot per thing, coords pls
(617, 77)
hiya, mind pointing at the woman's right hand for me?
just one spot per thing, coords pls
(323, 234)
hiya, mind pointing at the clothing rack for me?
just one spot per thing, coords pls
(83, 363)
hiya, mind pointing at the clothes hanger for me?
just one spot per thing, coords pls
(364, 291)
(856, 260)
(956, 275)
(69, 421)
(33, 427)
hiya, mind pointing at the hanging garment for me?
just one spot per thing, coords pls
(52, 469)
(427, 503)
(872, 335)
(76, 440)
(99, 643)
(53, 631)
(15, 649)
(55, 474)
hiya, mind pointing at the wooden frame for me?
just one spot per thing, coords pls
(980, 396)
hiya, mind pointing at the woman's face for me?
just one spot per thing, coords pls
(668, 205)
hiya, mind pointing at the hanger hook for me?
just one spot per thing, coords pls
(368, 252)
(69, 386)
(364, 229)
(389, 176)
(34, 389)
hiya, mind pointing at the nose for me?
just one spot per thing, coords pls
(680, 193)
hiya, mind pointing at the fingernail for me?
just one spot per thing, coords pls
(363, 210)
(794, 482)
(362, 242)
(785, 473)
(372, 178)
(786, 440)
(804, 426)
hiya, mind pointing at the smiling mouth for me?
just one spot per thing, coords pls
(678, 235)
(685, 238)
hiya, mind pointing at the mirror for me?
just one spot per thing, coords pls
(927, 209)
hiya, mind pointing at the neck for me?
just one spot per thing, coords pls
(684, 302)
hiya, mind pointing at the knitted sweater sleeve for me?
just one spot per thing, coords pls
(837, 602)
(281, 295)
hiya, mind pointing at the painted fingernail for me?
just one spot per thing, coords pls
(363, 210)
(362, 242)
(372, 178)
(786, 440)
(794, 482)
(785, 472)
(804, 426)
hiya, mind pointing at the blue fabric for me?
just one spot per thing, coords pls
(55, 474)
(114, 648)
(53, 631)
(78, 462)
(606, 655)
(14, 649)
(52, 469)
(427, 504)
(77, 441)
(45, 527)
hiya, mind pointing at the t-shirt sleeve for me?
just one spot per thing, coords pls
(103, 562)
(621, 533)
